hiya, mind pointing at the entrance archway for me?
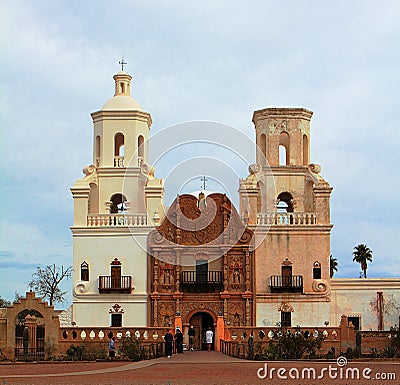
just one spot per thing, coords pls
(201, 321)
(33, 321)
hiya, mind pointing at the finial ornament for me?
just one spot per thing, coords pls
(204, 180)
(122, 63)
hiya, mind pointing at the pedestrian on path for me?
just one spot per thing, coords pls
(168, 338)
(209, 338)
(111, 348)
(191, 334)
(178, 340)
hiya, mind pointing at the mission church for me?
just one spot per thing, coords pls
(137, 263)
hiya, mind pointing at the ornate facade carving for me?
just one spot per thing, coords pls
(212, 233)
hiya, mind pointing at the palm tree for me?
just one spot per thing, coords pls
(362, 255)
(333, 265)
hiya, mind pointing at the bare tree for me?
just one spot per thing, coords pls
(46, 281)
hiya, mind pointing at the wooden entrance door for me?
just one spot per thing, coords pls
(196, 321)
(201, 271)
(115, 277)
(286, 276)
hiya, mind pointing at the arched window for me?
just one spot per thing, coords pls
(84, 271)
(97, 148)
(140, 149)
(93, 199)
(119, 142)
(285, 202)
(118, 204)
(317, 270)
(306, 161)
(263, 145)
(284, 149)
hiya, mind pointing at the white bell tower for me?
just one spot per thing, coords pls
(112, 217)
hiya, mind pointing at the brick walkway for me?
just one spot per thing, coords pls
(190, 368)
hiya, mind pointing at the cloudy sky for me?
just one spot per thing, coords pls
(209, 60)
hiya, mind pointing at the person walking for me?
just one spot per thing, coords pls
(209, 338)
(178, 341)
(191, 334)
(168, 338)
(111, 348)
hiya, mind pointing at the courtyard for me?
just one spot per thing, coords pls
(197, 368)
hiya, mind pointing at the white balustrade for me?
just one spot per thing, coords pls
(118, 161)
(286, 219)
(112, 220)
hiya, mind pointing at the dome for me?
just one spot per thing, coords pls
(122, 103)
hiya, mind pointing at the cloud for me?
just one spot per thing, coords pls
(215, 61)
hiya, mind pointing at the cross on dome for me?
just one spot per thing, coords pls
(122, 63)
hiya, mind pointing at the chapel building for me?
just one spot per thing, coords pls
(264, 263)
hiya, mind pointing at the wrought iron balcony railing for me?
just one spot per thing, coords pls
(198, 282)
(109, 284)
(286, 284)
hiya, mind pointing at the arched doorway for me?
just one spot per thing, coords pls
(33, 321)
(201, 321)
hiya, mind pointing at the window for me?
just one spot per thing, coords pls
(119, 142)
(286, 276)
(317, 270)
(84, 271)
(285, 202)
(305, 151)
(286, 319)
(116, 320)
(140, 146)
(284, 149)
(115, 274)
(201, 271)
(355, 320)
(263, 145)
(118, 204)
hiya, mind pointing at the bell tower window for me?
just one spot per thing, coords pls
(263, 145)
(306, 161)
(140, 149)
(285, 202)
(119, 145)
(118, 204)
(284, 149)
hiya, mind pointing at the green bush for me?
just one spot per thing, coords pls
(74, 352)
(296, 345)
(389, 352)
(349, 353)
(272, 352)
(95, 351)
(130, 348)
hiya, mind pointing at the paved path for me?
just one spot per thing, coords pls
(190, 368)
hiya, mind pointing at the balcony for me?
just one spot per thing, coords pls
(286, 284)
(286, 219)
(115, 285)
(113, 220)
(195, 282)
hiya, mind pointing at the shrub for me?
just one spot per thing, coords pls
(389, 352)
(272, 352)
(49, 349)
(74, 352)
(349, 353)
(296, 345)
(94, 351)
(130, 348)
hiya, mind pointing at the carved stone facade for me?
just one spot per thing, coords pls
(201, 261)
